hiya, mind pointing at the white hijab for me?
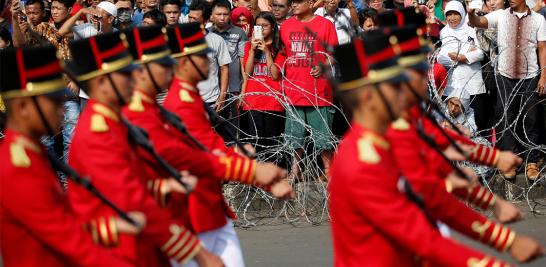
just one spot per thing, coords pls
(456, 6)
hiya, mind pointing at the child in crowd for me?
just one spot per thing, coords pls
(367, 19)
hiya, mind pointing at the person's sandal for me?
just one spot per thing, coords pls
(531, 171)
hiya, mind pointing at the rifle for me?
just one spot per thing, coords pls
(140, 137)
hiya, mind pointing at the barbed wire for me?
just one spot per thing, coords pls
(254, 207)
(524, 189)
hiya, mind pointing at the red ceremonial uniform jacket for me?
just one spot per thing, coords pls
(37, 227)
(304, 48)
(100, 150)
(184, 100)
(261, 92)
(177, 149)
(373, 224)
(479, 153)
(409, 151)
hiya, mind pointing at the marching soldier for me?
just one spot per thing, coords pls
(149, 48)
(101, 149)
(436, 190)
(413, 50)
(37, 225)
(215, 228)
(373, 221)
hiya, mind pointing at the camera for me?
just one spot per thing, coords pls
(421, 2)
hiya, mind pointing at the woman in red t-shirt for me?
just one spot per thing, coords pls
(261, 95)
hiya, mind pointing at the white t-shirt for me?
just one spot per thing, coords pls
(83, 31)
(517, 40)
(342, 22)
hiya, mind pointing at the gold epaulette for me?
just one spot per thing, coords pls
(400, 124)
(98, 123)
(106, 112)
(185, 96)
(366, 148)
(136, 103)
(98, 120)
(18, 155)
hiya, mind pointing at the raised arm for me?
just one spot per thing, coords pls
(477, 21)
(18, 36)
(352, 11)
(66, 28)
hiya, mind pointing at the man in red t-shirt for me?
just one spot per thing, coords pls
(305, 88)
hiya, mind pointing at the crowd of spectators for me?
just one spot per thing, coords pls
(265, 76)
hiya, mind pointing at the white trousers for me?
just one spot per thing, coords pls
(222, 242)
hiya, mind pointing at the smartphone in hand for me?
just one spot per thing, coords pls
(257, 32)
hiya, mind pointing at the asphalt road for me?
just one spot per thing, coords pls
(306, 245)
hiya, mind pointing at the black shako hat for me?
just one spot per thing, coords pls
(411, 48)
(186, 39)
(30, 71)
(148, 44)
(368, 60)
(99, 55)
(404, 17)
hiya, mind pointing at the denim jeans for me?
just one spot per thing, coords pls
(71, 115)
